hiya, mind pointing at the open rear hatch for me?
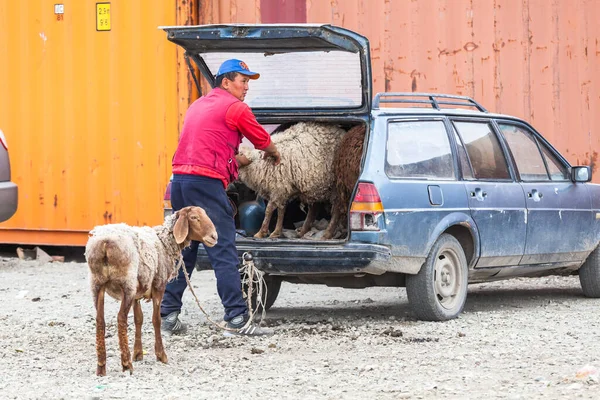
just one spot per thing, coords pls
(306, 70)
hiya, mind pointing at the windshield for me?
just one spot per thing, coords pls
(310, 79)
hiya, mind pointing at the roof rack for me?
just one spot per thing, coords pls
(435, 100)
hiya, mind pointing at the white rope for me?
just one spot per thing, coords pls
(250, 276)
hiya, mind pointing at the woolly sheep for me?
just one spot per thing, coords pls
(131, 263)
(346, 168)
(305, 171)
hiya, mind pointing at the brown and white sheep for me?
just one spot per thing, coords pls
(131, 263)
(305, 171)
(346, 168)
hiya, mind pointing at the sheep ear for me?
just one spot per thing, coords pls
(182, 227)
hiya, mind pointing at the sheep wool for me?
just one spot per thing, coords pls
(346, 169)
(305, 170)
(139, 248)
(144, 249)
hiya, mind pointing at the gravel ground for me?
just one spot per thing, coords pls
(523, 338)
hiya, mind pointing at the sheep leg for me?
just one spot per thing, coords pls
(279, 226)
(123, 339)
(138, 317)
(159, 349)
(98, 293)
(333, 224)
(264, 229)
(310, 218)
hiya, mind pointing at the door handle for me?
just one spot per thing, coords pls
(479, 194)
(535, 195)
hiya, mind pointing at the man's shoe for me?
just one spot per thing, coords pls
(171, 325)
(239, 326)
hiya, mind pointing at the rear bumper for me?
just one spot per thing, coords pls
(286, 257)
(8, 200)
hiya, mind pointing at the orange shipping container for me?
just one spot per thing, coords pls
(92, 116)
(90, 108)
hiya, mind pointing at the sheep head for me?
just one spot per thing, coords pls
(194, 224)
(251, 154)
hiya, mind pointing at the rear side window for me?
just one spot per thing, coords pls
(419, 149)
(484, 150)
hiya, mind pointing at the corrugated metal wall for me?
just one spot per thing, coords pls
(90, 116)
(536, 59)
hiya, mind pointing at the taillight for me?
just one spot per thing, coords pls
(366, 208)
(3, 140)
(167, 198)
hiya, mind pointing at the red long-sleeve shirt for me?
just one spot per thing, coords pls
(238, 117)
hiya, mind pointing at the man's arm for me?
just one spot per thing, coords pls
(240, 117)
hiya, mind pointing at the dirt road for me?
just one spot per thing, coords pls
(519, 339)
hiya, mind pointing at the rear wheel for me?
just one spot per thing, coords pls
(269, 295)
(439, 291)
(589, 275)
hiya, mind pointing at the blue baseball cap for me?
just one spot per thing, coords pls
(235, 65)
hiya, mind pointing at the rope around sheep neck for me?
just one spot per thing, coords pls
(250, 275)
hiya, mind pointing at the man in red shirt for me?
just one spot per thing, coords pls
(205, 162)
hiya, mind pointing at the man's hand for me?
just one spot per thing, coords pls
(271, 152)
(274, 156)
(242, 160)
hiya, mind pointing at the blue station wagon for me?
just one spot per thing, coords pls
(448, 193)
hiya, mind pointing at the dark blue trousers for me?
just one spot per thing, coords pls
(208, 193)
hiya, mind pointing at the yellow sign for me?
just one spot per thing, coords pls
(103, 16)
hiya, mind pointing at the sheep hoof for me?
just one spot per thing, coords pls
(128, 367)
(101, 370)
(162, 358)
(138, 356)
(275, 235)
(260, 235)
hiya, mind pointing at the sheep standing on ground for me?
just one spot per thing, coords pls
(305, 171)
(346, 168)
(131, 263)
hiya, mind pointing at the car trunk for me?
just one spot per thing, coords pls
(308, 73)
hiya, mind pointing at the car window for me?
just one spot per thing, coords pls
(558, 171)
(526, 153)
(419, 149)
(484, 150)
(463, 160)
(317, 86)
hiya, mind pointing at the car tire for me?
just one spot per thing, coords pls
(273, 287)
(589, 275)
(439, 291)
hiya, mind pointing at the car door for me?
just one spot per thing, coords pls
(496, 200)
(559, 211)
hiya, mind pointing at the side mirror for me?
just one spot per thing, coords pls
(581, 174)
